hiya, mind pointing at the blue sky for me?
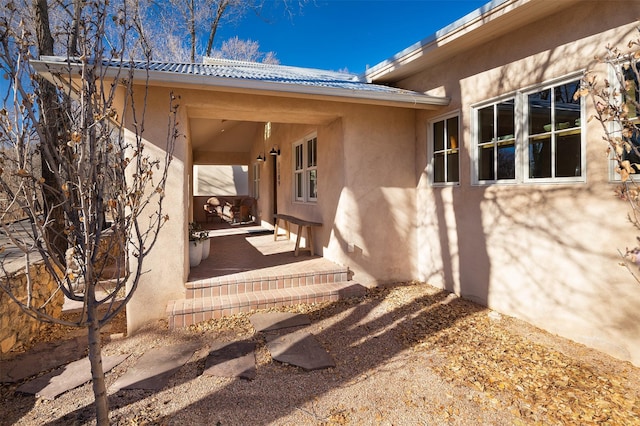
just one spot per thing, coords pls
(347, 34)
(343, 34)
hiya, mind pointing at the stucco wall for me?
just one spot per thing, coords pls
(544, 253)
(165, 268)
(376, 211)
(366, 192)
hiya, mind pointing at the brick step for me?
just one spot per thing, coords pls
(262, 280)
(184, 312)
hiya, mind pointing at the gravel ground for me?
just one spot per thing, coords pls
(407, 355)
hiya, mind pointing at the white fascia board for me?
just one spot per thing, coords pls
(473, 19)
(335, 93)
(46, 66)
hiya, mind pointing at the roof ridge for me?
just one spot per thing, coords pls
(212, 60)
(209, 60)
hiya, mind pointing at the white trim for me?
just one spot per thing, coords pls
(550, 85)
(430, 146)
(467, 23)
(304, 171)
(49, 66)
(521, 134)
(474, 137)
(616, 96)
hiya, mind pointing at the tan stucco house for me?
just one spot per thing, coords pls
(463, 161)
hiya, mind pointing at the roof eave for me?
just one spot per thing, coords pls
(417, 101)
(440, 38)
(49, 67)
(496, 18)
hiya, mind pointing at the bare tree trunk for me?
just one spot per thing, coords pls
(50, 120)
(85, 156)
(77, 6)
(95, 358)
(222, 6)
(192, 29)
(55, 128)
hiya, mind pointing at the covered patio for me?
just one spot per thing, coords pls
(248, 269)
(245, 248)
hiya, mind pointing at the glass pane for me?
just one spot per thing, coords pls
(485, 124)
(313, 184)
(631, 94)
(566, 108)
(452, 169)
(506, 120)
(485, 163)
(634, 153)
(540, 112)
(568, 156)
(438, 167)
(540, 158)
(507, 161)
(299, 187)
(311, 152)
(452, 133)
(299, 157)
(438, 136)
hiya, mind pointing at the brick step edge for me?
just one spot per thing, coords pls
(184, 312)
(217, 287)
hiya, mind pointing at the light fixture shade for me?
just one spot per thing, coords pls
(260, 158)
(274, 151)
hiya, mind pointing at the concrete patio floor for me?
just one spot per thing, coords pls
(238, 249)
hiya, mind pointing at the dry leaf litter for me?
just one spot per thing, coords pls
(405, 355)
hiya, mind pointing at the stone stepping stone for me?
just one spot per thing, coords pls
(154, 369)
(300, 349)
(43, 357)
(68, 377)
(277, 320)
(235, 359)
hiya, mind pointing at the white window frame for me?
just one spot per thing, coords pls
(618, 99)
(305, 169)
(554, 133)
(475, 135)
(447, 152)
(521, 128)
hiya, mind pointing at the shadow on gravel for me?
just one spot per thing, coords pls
(22, 404)
(372, 331)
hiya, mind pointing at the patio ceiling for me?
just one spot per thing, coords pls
(222, 127)
(208, 135)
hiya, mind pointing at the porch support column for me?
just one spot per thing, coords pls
(165, 268)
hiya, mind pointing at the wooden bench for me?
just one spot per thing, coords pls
(302, 224)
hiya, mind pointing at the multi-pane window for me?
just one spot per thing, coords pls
(312, 169)
(554, 132)
(631, 99)
(497, 142)
(446, 153)
(305, 170)
(535, 136)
